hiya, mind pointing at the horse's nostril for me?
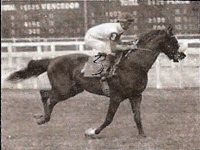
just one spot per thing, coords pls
(182, 56)
(175, 60)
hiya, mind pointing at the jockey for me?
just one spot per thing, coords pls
(105, 38)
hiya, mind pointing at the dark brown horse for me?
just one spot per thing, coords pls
(66, 79)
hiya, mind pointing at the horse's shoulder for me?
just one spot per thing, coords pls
(133, 65)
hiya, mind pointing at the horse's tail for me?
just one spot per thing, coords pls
(34, 68)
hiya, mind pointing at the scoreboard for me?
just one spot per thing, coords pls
(71, 18)
(42, 19)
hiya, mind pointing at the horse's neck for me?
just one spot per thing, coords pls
(144, 58)
(148, 50)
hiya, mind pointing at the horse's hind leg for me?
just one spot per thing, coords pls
(52, 97)
(63, 87)
(135, 104)
(44, 97)
(49, 100)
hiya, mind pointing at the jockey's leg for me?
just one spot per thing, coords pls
(115, 65)
(107, 64)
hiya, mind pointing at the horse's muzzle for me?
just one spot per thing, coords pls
(179, 56)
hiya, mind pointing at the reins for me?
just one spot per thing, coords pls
(143, 49)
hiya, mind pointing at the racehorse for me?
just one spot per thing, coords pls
(67, 80)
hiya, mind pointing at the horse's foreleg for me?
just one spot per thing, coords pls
(113, 106)
(135, 104)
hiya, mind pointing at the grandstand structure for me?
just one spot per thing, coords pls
(36, 29)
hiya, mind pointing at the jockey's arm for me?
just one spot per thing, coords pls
(115, 46)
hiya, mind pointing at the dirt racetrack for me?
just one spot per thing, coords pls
(170, 118)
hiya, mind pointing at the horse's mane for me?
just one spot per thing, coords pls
(146, 37)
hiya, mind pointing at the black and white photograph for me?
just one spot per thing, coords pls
(100, 75)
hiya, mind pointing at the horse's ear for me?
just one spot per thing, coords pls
(169, 29)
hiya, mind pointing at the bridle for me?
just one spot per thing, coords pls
(143, 49)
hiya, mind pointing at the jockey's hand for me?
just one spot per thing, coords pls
(133, 46)
(127, 43)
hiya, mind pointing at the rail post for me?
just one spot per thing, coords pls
(158, 82)
(19, 85)
(53, 50)
(10, 56)
(81, 47)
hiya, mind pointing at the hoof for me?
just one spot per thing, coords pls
(90, 133)
(41, 121)
(103, 79)
(142, 135)
(38, 116)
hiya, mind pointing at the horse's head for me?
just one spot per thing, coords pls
(168, 44)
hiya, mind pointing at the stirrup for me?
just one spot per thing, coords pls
(105, 87)
(109, 74)
(104, 75)
(103, 78)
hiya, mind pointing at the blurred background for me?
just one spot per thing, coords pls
(37, 29)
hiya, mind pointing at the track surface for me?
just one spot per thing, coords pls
(170, 118)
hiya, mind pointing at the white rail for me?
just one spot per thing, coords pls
(80, 44)
(12, 53)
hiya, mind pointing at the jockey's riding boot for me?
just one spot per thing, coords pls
(115, 65)
(105, 71)
(106, 65)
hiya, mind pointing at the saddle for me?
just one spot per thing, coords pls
(95, 66)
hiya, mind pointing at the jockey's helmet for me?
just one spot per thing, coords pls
(123, 17)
